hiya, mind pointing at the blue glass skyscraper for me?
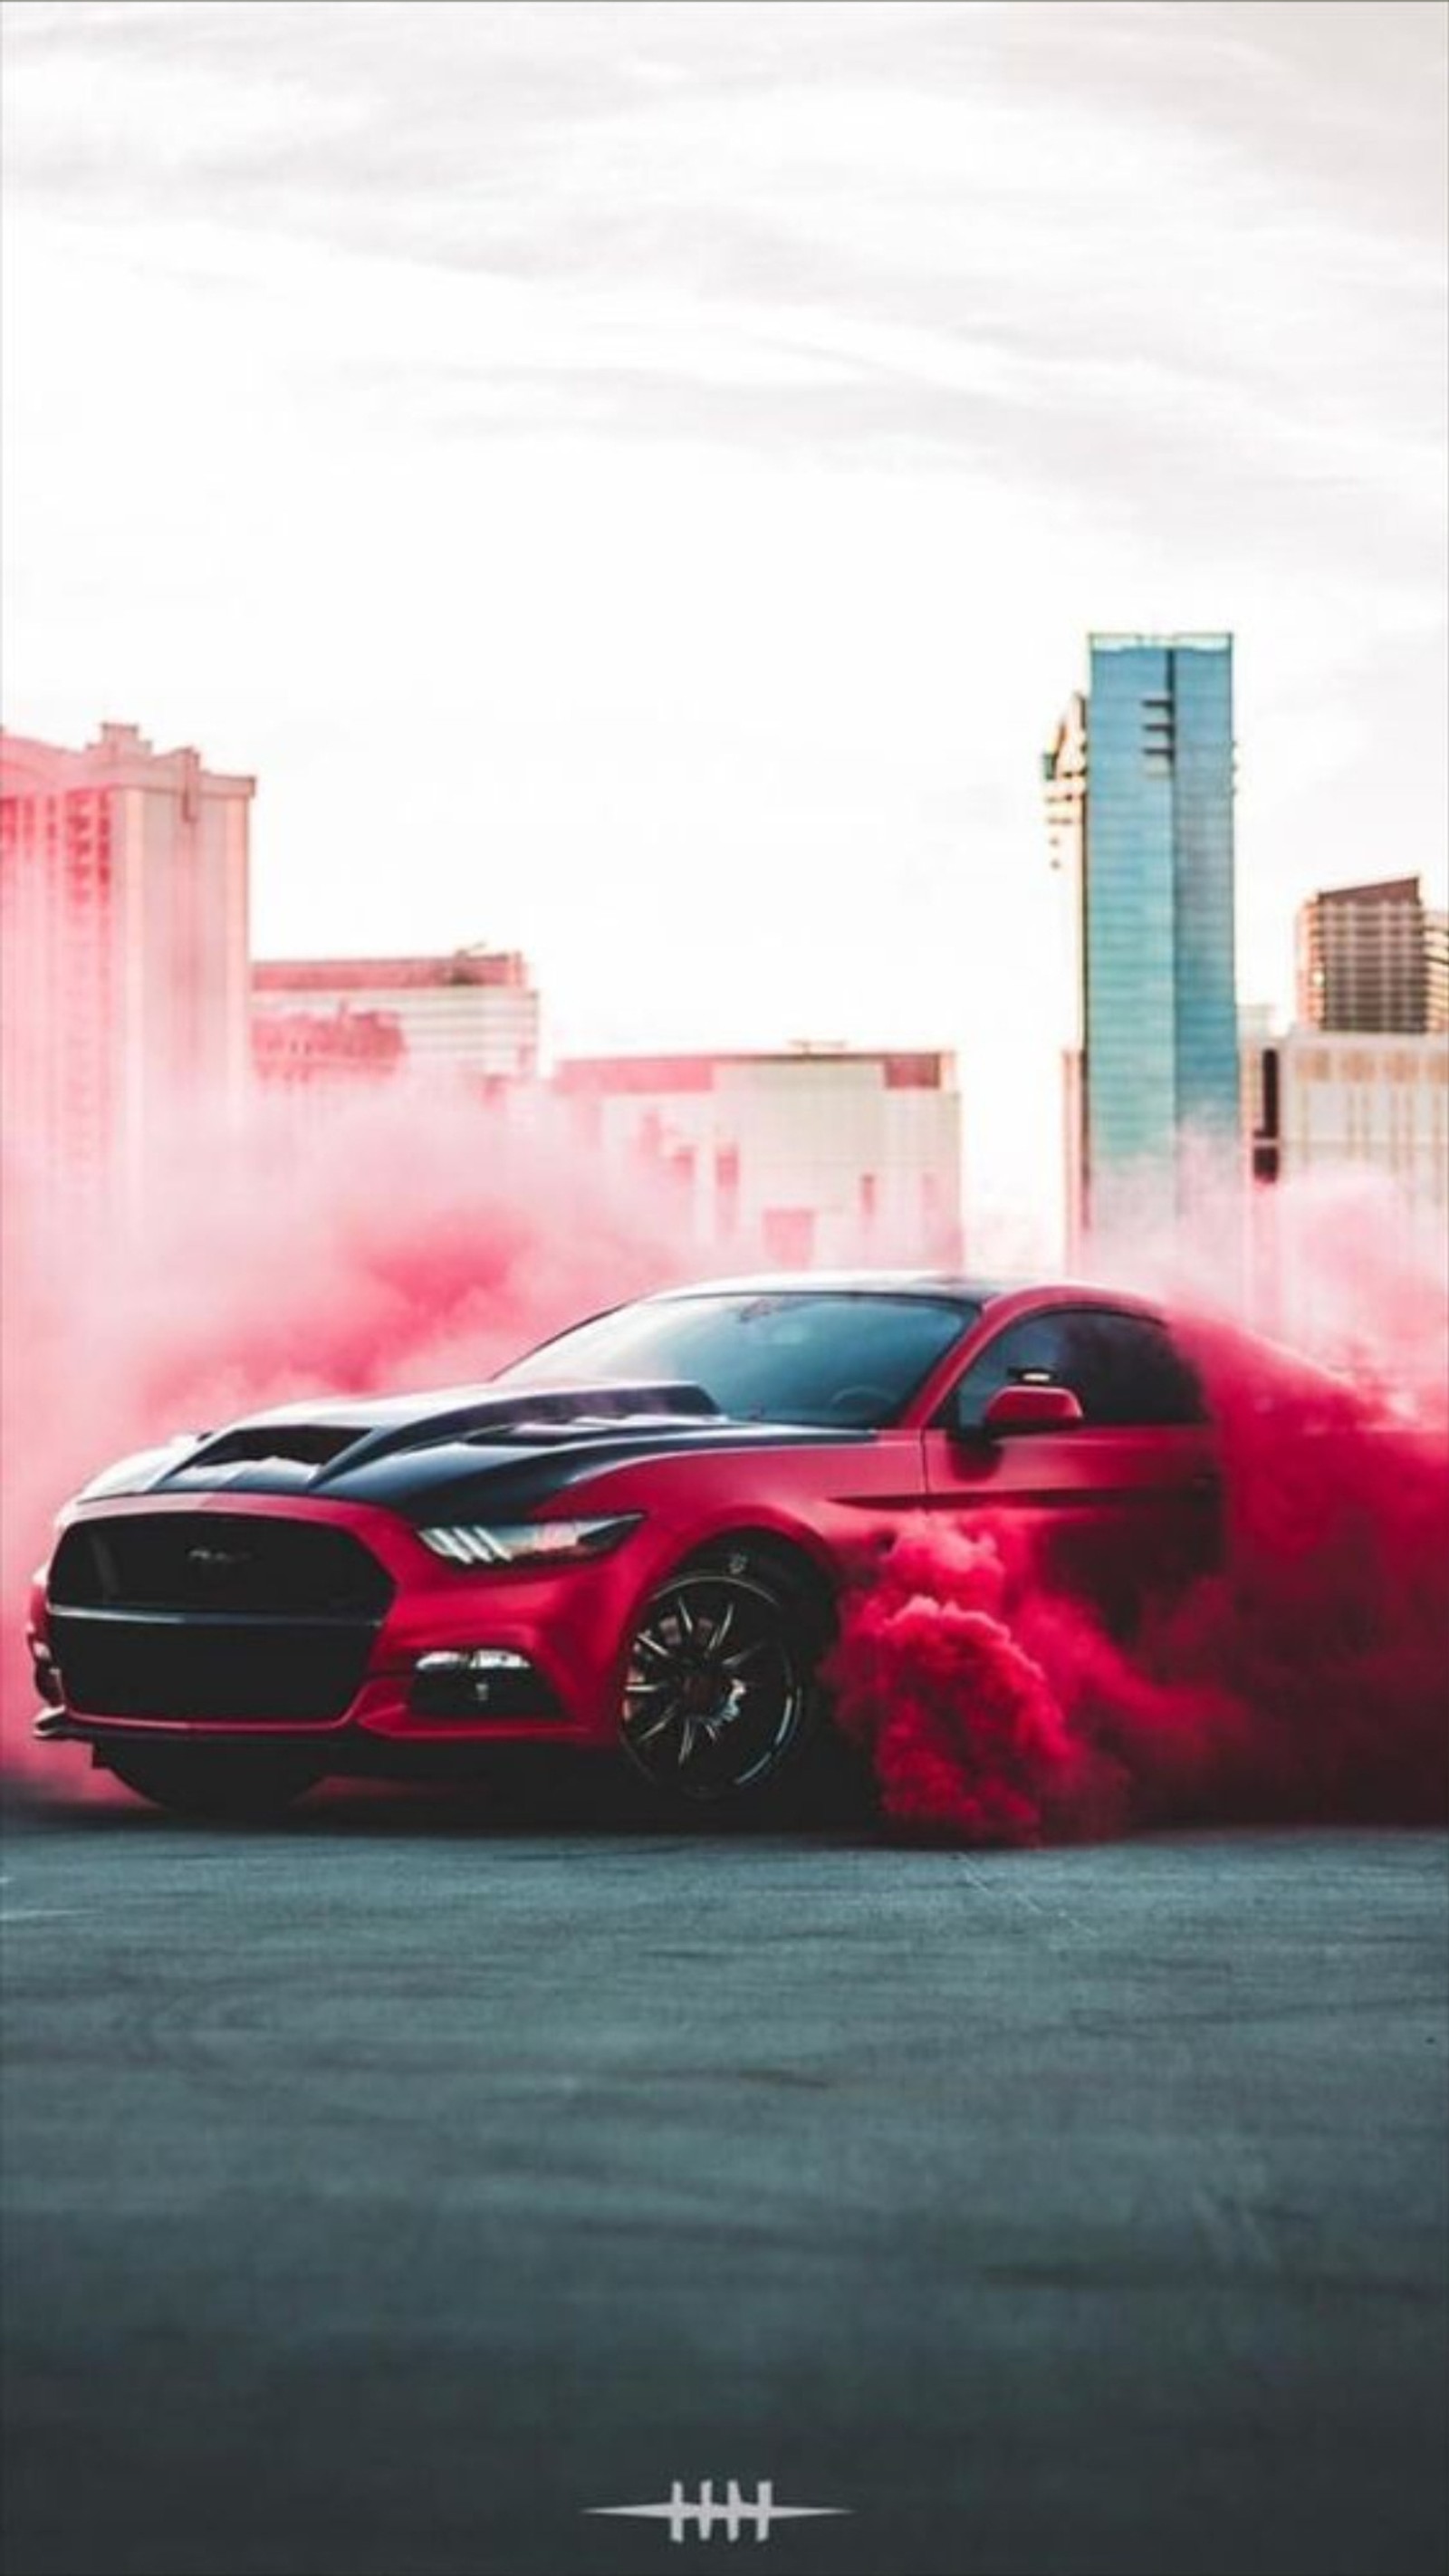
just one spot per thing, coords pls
(1141, 792)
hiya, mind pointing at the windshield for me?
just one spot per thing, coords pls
(833, 1358)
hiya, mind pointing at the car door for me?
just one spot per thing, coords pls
(1118, 1506)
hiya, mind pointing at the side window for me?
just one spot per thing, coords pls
(1130, 1371)
(1124, 1369)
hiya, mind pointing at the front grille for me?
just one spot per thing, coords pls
(224, 1562)
(210, 1671)
(213, 1617)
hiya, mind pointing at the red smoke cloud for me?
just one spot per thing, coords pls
(1306, 1677)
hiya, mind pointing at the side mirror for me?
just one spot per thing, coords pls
(1030, 1408)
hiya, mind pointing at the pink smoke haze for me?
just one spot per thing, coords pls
(402, 1237)
(406, 1240)
(416, 1238)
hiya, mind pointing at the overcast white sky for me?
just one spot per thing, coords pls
(633, 480)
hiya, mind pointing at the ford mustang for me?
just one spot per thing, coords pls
(634, 1538)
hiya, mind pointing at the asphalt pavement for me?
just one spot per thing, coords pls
(384, 2191)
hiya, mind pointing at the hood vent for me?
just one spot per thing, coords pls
(506, 1417)
(651, 1400)
(315, 1451)
(302, 1444)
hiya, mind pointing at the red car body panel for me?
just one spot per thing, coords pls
(830, 1500)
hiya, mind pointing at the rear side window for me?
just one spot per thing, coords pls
(1123, 1369)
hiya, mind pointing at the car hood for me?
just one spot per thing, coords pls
(504, 1450)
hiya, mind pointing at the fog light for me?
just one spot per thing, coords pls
(465, 1674)
(473, 1659)
(459, 1681)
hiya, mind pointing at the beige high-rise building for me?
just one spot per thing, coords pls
(1436, 950)
(1371, 961)
(123, 942)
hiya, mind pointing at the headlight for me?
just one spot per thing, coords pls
(528, 1542)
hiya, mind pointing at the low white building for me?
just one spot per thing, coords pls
(1376, 1103)
(475, 1009)
(818, 1155)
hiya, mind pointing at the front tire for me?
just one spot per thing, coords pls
(720, 1688)
(215, 1786)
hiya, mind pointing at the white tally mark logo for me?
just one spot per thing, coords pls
(733, 2513)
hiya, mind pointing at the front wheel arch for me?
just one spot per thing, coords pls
(791, 1564)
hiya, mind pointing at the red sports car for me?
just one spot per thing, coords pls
(633, 1538)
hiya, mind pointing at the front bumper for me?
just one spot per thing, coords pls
(460, 1657)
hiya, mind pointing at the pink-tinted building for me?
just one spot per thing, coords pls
(815, 1155)
(123, 925)
(475, 1011)
(303, 1049)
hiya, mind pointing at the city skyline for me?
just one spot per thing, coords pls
(125, 899)
(648, 524)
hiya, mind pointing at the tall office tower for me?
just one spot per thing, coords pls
(123, 926)
(1140, 814)
(1367, 960)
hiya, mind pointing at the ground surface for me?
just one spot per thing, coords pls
(383, 2191)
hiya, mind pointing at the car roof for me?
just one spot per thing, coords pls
(842, 1283)
(953, 1285)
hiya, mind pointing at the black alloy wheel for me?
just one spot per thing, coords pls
(718, 1689)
